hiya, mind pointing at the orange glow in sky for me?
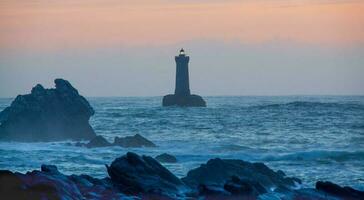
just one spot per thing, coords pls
(90, 24)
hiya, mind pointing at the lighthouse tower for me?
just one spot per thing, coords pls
(182, 95)
(182, 76)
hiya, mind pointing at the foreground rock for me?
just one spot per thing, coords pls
(51, 184)
(218, 171)
(166, 158)
(336, 190)
(133, 141)
(141, 177)
(134, 174)
(47, 115)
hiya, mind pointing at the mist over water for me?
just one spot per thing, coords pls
(309, 137)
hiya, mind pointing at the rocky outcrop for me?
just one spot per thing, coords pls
(166, 158)
(141, 177)
(134, 174)
(136, 141)
(218, 171)
(47, 115)
(133, 141)
(184, 101)
(50, 184)
(244, 187)
(336, 190)
(98, 141)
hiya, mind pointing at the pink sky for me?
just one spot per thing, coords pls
(237, 47)
(51, 25)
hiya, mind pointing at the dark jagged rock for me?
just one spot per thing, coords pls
(218, 171)
(336, 190)
(49, 169)
(136, 174)
(98, 141)
(133, 141)
(141, 177)
(12, 187)
(166, 158)
(187, 101)
(51, 184)
(237, 186)
(212, 192)
(47, 115)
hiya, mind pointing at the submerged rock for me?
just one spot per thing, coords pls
(98, 141)
(166, 158)
(47, 115)
(336, 190)
(133, 141)
(136, 174)
(218, 171)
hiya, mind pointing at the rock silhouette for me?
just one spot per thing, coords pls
(182, 95)
(141, 177)
(136, 141)
(98, 141)
(218, 171)
(343, 192)
(133, 141)
(47, 115)
(166, 158)
(136, 174)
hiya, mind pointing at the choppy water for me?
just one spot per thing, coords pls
(311, 137)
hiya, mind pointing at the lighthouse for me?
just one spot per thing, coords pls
(182, 95)
(182, 76)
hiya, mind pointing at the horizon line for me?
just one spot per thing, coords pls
(224, 95)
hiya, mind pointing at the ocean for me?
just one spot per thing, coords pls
(309, 137)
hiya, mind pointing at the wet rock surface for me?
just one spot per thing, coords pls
(336, 190)
(136, 174)
(133, 141)
(166, 158)
(98, 141)
(53, 114)
(51, 184)
(136, 141)
(217, 171)
(142, 177)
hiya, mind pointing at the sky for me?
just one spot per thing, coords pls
(236, 47)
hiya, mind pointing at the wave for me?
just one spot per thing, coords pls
(338, 156)
(312, 104)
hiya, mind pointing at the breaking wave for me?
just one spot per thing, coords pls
(338, 156)
(308, 104)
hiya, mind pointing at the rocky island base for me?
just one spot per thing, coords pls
(184, 101)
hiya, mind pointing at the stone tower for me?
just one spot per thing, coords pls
(182, 77)
(182, 95)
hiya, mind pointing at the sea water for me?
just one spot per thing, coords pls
(309, 137)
